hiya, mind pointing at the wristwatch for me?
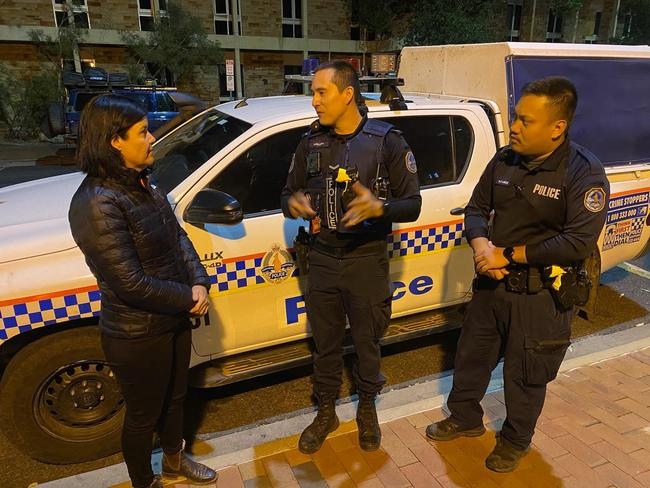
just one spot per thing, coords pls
(508, 253)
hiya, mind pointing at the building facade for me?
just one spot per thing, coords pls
(266, 39)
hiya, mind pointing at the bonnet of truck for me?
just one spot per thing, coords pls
(34, 217)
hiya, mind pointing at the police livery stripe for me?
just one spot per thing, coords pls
(21, 315)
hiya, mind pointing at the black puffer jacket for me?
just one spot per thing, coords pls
(143, 261)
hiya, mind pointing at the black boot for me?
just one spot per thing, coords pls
(326, 421)
(179, 464)
(447, 429)
(505, 457)
(367, 422)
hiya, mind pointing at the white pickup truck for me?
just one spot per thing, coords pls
(59, 401)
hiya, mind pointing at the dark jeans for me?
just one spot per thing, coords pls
(497, 321)
(152, 373)
(358, 288)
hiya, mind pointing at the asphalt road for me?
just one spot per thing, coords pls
(253, 401)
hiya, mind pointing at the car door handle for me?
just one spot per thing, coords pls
(458, 210)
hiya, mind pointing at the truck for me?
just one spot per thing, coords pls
(223, 171)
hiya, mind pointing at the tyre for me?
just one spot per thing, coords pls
(56, 117)
(60, 402)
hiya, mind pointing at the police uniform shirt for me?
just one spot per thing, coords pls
(397, 164)
(556, 209)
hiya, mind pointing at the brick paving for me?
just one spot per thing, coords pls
(594, 432)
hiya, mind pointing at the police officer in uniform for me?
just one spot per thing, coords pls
(548, 196)
(352, 177)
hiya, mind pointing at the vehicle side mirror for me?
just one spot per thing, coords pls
(213, 207)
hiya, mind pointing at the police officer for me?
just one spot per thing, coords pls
(351, 177)
(549, 200)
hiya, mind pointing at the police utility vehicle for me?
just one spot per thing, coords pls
(223, 172)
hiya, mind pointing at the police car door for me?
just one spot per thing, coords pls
(255, 294)
(431, 262)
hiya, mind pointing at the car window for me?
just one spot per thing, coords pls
(82, 99)
(165, 103)
(441, 145)
(142, 99)
(257, 177)
(180, 153)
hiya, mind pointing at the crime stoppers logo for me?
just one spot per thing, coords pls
(277, 265)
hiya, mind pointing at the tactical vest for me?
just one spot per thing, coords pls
(363, 152)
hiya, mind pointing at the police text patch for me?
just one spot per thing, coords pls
(409, 158)
(595, 199)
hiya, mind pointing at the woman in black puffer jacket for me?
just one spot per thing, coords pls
(150, 279)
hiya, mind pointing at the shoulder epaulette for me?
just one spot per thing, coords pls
(377, 127)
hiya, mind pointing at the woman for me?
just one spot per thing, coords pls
(150, 278)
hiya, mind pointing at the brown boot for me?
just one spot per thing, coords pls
(447, 429)
(180, 464)
(505, 457)
(326, 421)
(367, 422)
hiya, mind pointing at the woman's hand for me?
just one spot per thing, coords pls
(200, 297)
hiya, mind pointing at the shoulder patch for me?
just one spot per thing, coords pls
(595, 200)
(411, 165)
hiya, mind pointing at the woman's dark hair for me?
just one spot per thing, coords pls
(104, 117)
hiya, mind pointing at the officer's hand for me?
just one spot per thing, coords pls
(299, 206)
(364, 206)
(200, 297)
(489, 258)
(496, 274)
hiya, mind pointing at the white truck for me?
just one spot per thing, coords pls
(59, 401)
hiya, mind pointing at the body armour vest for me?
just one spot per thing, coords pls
(327, 153)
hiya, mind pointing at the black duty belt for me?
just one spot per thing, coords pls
(354, 249)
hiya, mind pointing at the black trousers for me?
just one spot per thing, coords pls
(531, 333)
(152, 373)
(356, 287)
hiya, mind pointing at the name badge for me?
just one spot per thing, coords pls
(502, 182)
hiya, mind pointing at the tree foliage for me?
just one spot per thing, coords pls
(178, 43)
(639, 24)
(459, 22)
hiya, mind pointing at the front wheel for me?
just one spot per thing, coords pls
(60, 402)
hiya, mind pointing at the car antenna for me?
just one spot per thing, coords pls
(243, 103)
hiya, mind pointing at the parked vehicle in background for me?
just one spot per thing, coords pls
(63, 117)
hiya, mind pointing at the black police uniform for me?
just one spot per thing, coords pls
(348, 267)
(557, 209)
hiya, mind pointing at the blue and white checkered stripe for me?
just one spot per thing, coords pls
(22, 317)
(18, 318)
(236, 274)
(425, 240)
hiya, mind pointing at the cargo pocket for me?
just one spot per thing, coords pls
(542, 359)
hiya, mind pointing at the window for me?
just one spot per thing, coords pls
(594, 37)
(164, 103)
(627, 25)
(554, 27)
(179, 155)
(223, 17)
(79, 10)
(291, 18)
(257, 177)
(442, 146)
(147, 11)
(514, 19)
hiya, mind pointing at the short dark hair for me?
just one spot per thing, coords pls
(104, 117)
(561, 93)
(344, 75)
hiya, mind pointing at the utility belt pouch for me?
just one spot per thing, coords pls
(574, 289)
(517, 281)
(301, 246)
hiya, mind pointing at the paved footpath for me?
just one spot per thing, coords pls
(594, 432)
